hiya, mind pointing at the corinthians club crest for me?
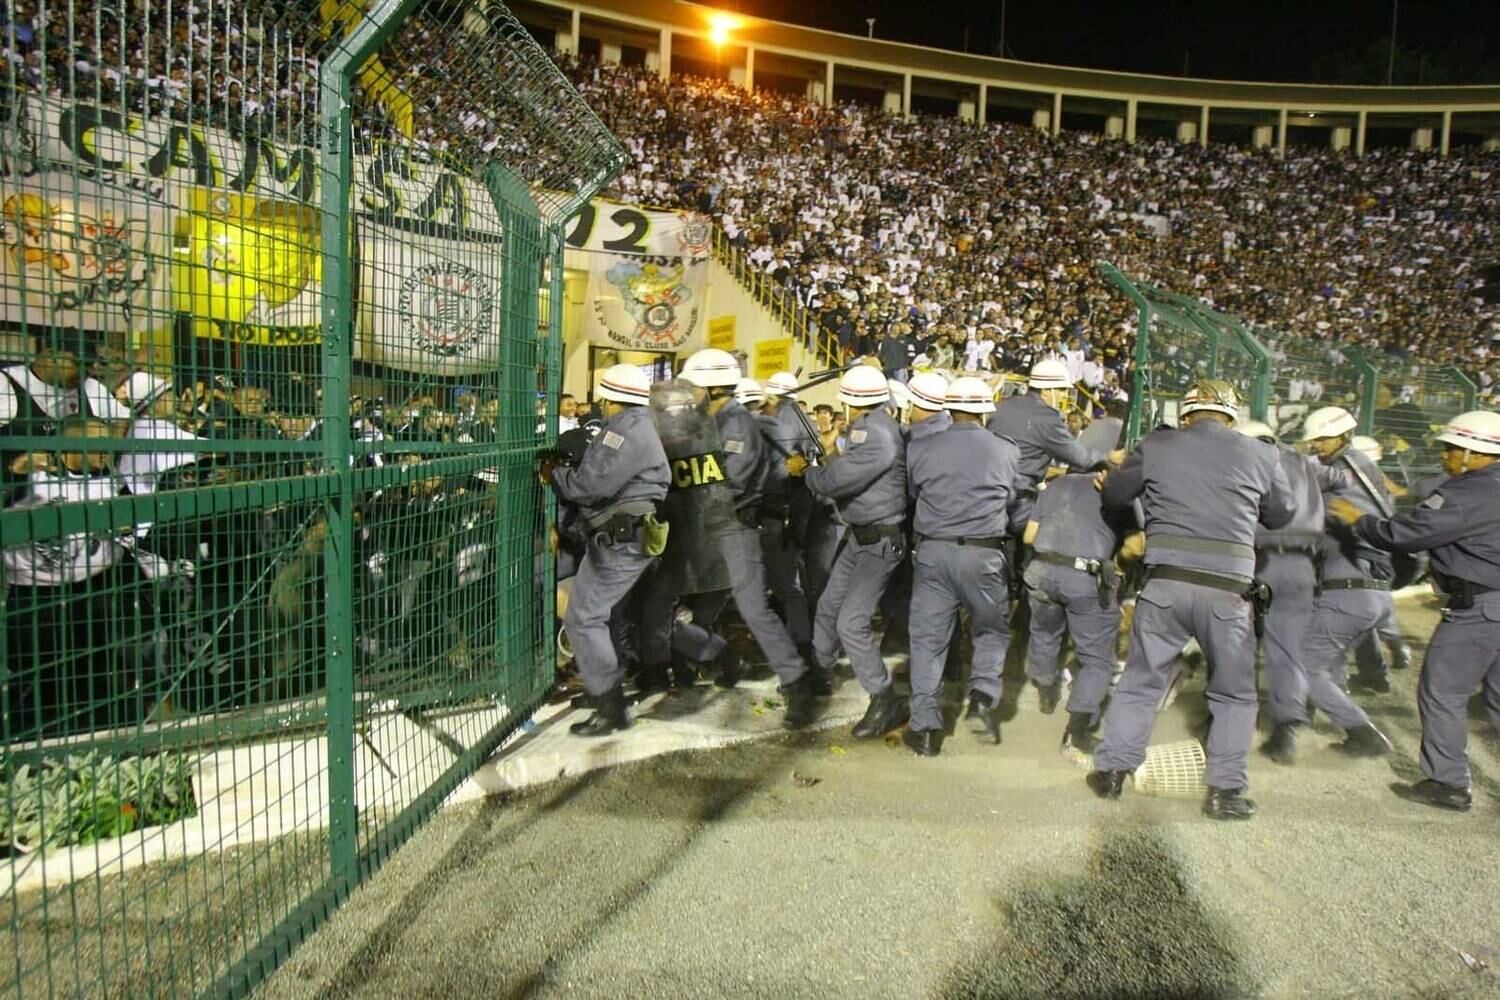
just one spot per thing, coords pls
(654, 309)
(446, 308)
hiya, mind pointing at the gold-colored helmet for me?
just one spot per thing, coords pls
(1213, 395)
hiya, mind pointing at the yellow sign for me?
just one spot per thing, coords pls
(772, 356)
(721, 333)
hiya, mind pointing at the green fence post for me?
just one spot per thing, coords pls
(1466, 386)
(1260, 386)
(1142, 350)
(1370, 388)
(335, 83)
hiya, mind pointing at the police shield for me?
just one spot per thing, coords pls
(699, 505)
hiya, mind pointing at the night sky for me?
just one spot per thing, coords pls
(1323, 41)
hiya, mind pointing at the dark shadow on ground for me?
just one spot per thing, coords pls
(1129, 927)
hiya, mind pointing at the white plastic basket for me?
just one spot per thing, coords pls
(1172, 770)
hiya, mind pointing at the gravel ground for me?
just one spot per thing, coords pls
(814, 866)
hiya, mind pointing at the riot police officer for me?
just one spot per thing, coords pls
(1203, 489)
(962, 483)
(622, 478)
(1072, 584)
(786, 509)
(746, 457)
(868, 482)
(1356, 579)
(1369, 656)
(1459, 526)
(1034, 422)
(1298, 639)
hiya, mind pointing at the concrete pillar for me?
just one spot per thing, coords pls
(828, 87)
(1340, 137)
(1421, 138)
(906, 95)
(1114, 126)
(1359, 133)
(966, 110)
(892, 104)
(665, 48)
(984, 103)
(1447, 132)
(1041, 120)
(1130, 110)
(815, 92)
(749, 67)
(567, 41)
(1203, 126)
(609, 52)
(1281, 132)
(1057, 112)
(1261, 136)
(1187, 131)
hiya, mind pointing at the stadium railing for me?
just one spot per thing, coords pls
(796, 319)
(281, 291)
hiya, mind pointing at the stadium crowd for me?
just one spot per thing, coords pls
(982, 240)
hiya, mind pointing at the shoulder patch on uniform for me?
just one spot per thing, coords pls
(1434, 502)
(734, 446)
(612, 440)
(859, 436)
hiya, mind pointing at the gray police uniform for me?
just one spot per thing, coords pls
(1460, 526)
(962, 482)
(746, 460)
(1203, 489)
(868, 482)
(1042, 435)
(622, 477)
(779, 532)
(1287, 560)
(1353, 584)
(1075, 542)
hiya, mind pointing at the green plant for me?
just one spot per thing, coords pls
(83, 798)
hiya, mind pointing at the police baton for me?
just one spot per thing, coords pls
(817, 378)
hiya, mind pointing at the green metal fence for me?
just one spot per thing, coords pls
(281, 339)
(1180, 341)
(1285, 378)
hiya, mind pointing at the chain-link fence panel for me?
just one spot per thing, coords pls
(1407, 407)
(280, 343)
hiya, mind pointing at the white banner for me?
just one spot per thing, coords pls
(82, 255)
(645, 303)
(429, 304)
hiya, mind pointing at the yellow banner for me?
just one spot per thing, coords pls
(772, 356)
(721, 332)
(248, 260)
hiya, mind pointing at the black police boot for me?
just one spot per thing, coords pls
(729, 670)
(887, 711)
(684, 672)
(1227, 803)
(924, 742)
(1049, 695)
(1107, 784)
(1428, 792)
(650, 678)
(1370, 683)
(609, 715)
(1400, 656)
(805, 650)
(984, 718)
(801, 703)
(822, 684)
(1080, 732)
(1282, 745)
(1364, 741)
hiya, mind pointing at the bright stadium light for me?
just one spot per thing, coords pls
(719, 26)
